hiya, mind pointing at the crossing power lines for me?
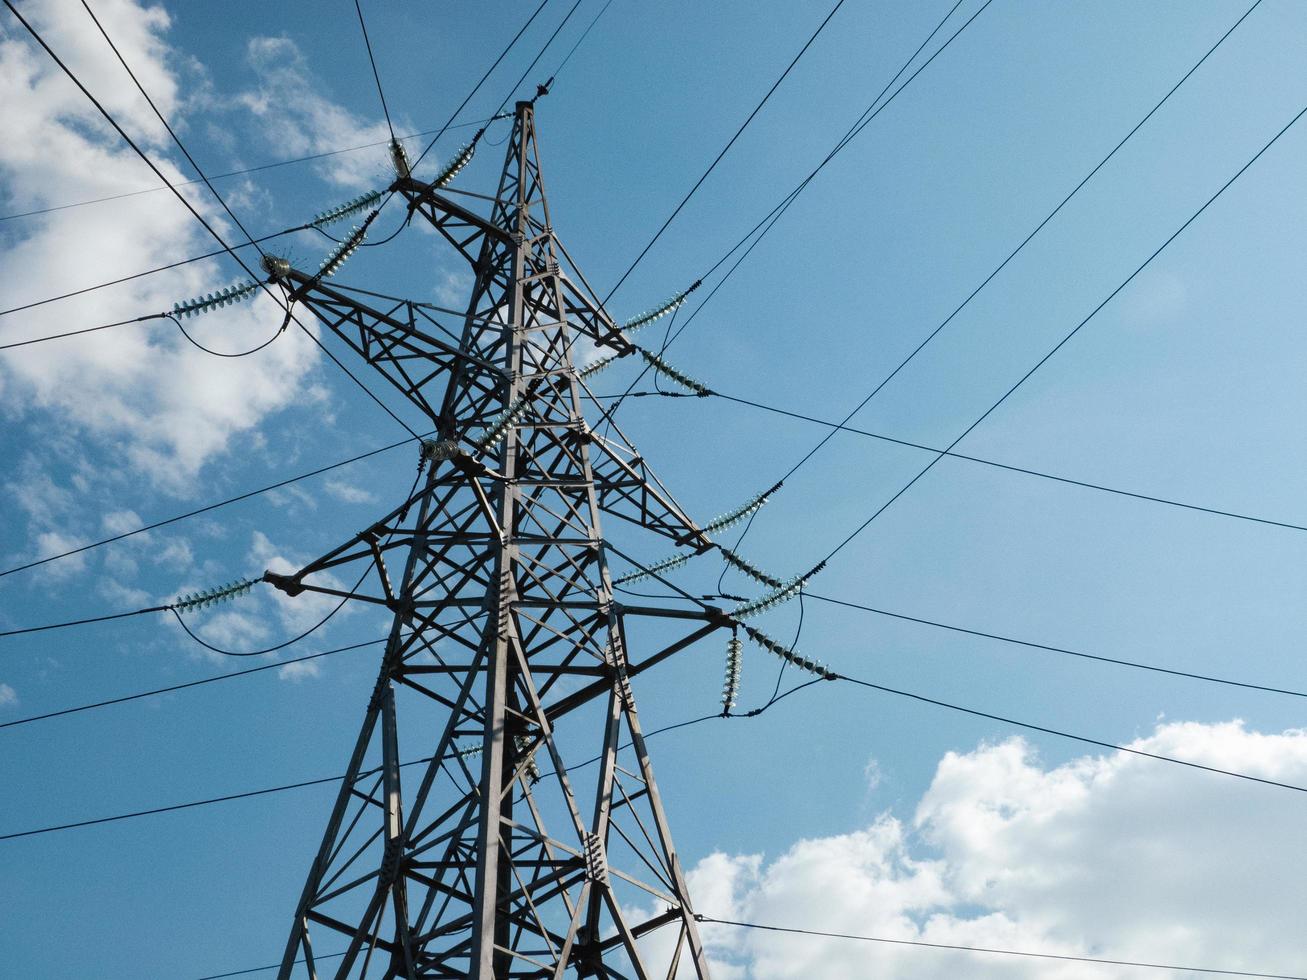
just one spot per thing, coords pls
(472, 446)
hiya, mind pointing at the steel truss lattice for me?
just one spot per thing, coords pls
(507, 655)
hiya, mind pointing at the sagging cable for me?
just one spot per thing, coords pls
(790, 655)
(673, 304)
(210, 597)
(685, 381)
(350, 208)
(773, 599)
(734, 665)
(666, 565)
(749, 569)
(733, 517)
(223, 297)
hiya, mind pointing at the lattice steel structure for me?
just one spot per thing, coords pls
(508, 653)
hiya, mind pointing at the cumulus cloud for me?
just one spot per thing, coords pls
(140, 391)
(1107, 856)
(8, 696)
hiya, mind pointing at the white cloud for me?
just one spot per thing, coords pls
(121, 521)
(141, 390)
(54, 543)
(452, 288)
(8, 696)
(348, 493)
(1115, 856)
(299, 121)
(299, 671)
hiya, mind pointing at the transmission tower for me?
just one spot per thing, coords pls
(451, 851)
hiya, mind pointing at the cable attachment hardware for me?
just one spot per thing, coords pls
(773, 599)
(435, 451)
(399, 160)
(789, 655)
(734, 664)
(285, 583)
(596, 861)
(732, 517)
(199, 600)
(648, 317)
(529, 754)
(223, 297)
(461, 160)
(666, 565)
(684, 380)
(346, 210)
(390, 858)
(275, 266)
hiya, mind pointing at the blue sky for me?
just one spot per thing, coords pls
(839, 808)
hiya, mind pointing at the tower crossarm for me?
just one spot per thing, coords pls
(627, 488)
(401, 341)
(461, 227)
(464, 229)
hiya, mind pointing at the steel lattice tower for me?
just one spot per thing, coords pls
(507, 655)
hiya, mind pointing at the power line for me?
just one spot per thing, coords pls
(1152, 498)
(769, 220)
(208, 507)
(307, 158)
(1059, 650)
(834, 677)
(1024, 242)
(286, 304)
(858, 126)
(580, 40)
(540, 54)
(373, 61)
(502, 55)
(1065, 957)
(189, 207)
(185, 685)
(1075, 330)
(84, 330)
(123, 133)
(731, 142)
(156, 269)
(199, 172)
(84, 622)
(284, 787)
(247, 794)
(1084, 739)
(271, 966)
